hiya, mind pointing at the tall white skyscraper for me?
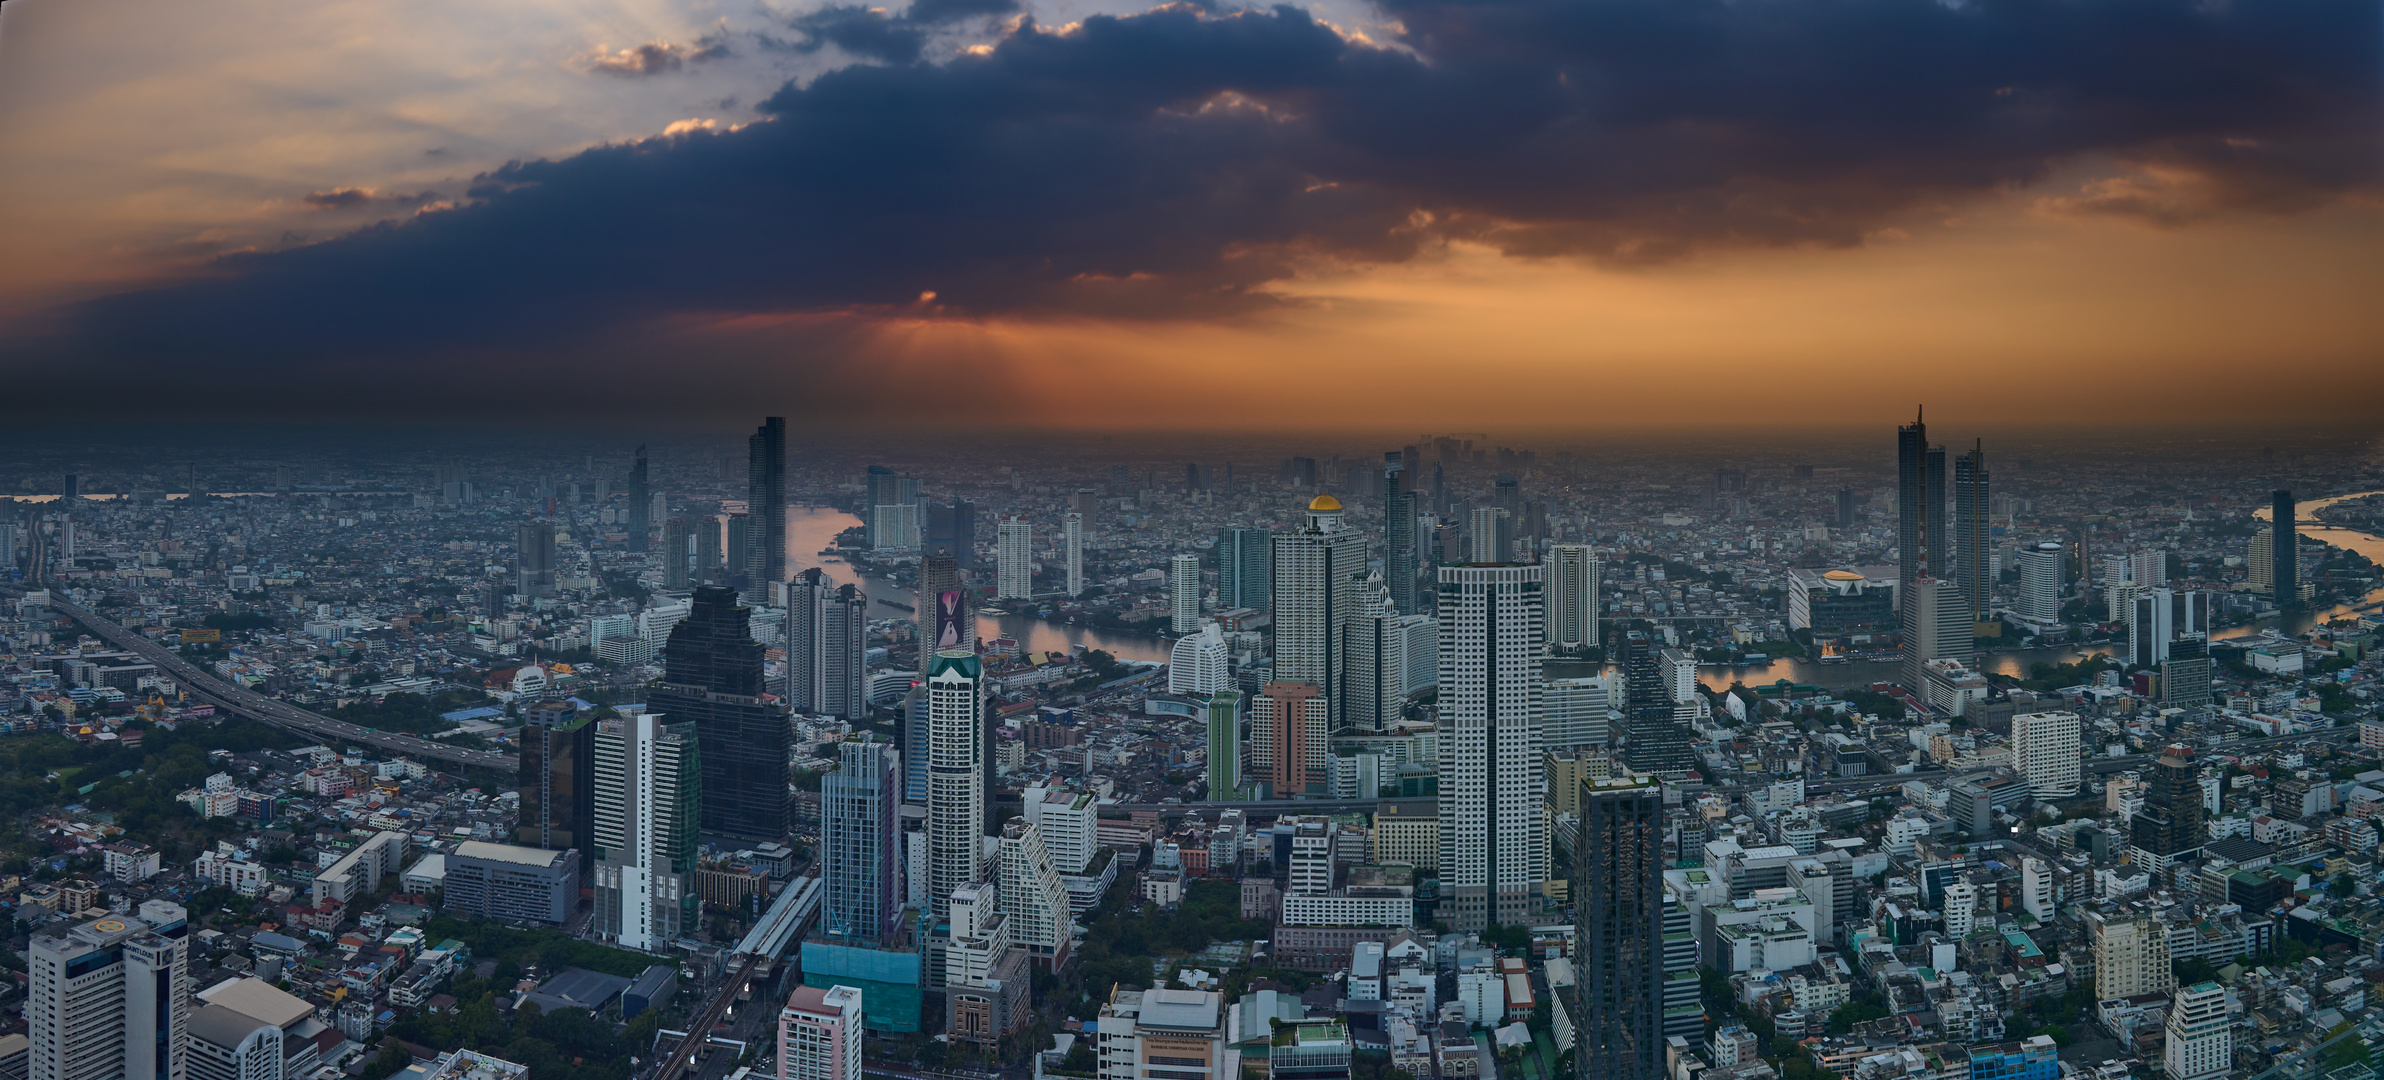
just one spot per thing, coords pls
(1319, 581)
(648, 796)
(2201, 1040)
(1014, 553)
(1488, 533)
(2040, 584)
(1937, 626)
(955, 777)
(1572, 596)
(1032, 896)
(1196, 665)
(2046, 752)
(1073, 531)
(110, 999)
(1493, 851)
(820, 1035)
(1183, 592)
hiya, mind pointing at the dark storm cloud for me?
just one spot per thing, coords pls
(349, 198)
(1174, 163)
(659, 57)
(876, 34)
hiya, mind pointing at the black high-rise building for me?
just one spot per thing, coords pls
(534, 559)
(712, 676)
(765, 504)
(2284, 558)
(2170, 825)
(557, 780)
(640, 503)
(1398, 534)
(1618, 897)
(1656, 741)
(952, 528)
(1971, 529)
(1921, 548)
(1845, 508)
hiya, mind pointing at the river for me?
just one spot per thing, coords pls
(811, 529)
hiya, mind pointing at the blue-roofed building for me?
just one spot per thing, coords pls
(479, 713)
(2033, 1058)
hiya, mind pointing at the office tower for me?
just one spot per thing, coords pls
(1654, 739)
(1319, 578)
(916, 740)
(2041, 573)
(2201, 1042)
(1937, 626)
(838, 656)
(1183, 592)
(952, 528)
(896, 526)
(2185, 675)
(1225, 745)
(1493, 851)
(556, 776)
(1085, 501)
(73, 488)
(1014, 551)
(2047, 753)
(678, 555)
(1375, 662)
(1920, 505)
(2259, 566)
(947, 615)
(1972, 530)
(808, 598)
(1032, 896)
(1070, 823)
(1072, 533)
(110, 999)
(1507, 495)
(2158, 618)
(1196, 665)
(1245, 558)
(1489, 535)
(712, 678)
(1845, 508)
(1684, 1009)
(2131, 955)
(708, 559)
(1572, 596)
(955, 777)
(649, 787)
(1398, 533)
(1578, 712)
(1289, 723)
(534, 559)
(640, 502)
(2284, 554)
(2169, 827)
(1618, 901)
(984, 976)
(861, 843)
(738, 554)
(820, 1034)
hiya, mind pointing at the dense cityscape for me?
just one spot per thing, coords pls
(1839, 755)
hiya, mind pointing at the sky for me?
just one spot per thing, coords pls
(1098, 215)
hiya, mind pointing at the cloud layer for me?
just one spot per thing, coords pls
(1177, 163)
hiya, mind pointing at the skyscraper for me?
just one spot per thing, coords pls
(955, 777)
(1921, 548)
(1972, 530)
(1374, 662)
(1618, 900)
(1493, 851)
(861, 843)
(1183, 593)
(534, 559)
(947, 616)
(1014, 552)
(1489, 535)
(952, 528)
(1032, 896)
(1289, 723)
(712, 678)
(1655, 741)
(2169, 827)
(640, 500)
(1245, 559)
(765, 501)
(1398, 533)
(2047, 753)
(2043, 567)
(110, 999)
(2284, 557)
(1319, 578)
(1072, 528)
(1225, 745)
(2185, 675)
(1197, 663)
(2201, 1043)
(1936, 626)
(1572, 596)
(708, 560)
(648, 789)
(678, 555)
(557, 777)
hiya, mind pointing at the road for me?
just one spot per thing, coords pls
(206, 686)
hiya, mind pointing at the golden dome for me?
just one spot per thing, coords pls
(1324, 504)
(1842, 575)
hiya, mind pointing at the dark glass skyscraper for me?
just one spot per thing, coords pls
(1245, 569)
(1656, 741)
(1921, 548)
(640, 502)
(2170, 825)
(765, 503)
(861, 843)
(2284, 559)
(1398, 534)
(1617, 891)
(1971, 530)
(712, 676)
(557, 779)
